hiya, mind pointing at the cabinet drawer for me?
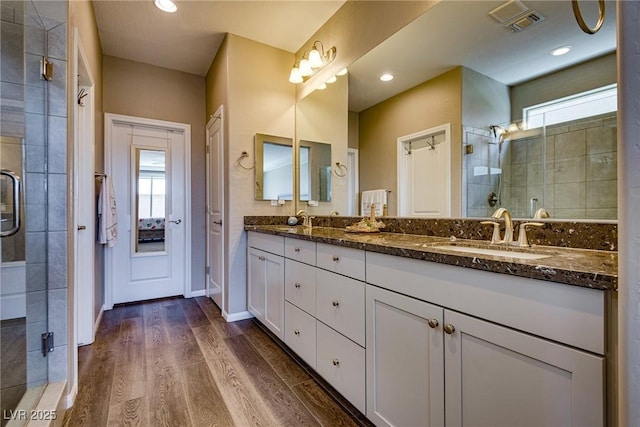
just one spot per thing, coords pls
(340, 304)
(300, 250)
(341, 260)
(266, 242)
(300, 285)
(300, 333)
(342, 363)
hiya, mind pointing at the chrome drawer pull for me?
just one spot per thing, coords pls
(297, 332)
(336, 258)
(296, 249)
(335, 303)
(449, 328)
(297, 285)
(336, 362)
(433, 323)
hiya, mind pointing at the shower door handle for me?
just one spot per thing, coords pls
(16, 203)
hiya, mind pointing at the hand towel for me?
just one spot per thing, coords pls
(378, 197)
(107, 214)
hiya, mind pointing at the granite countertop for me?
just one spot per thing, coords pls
(588, 268)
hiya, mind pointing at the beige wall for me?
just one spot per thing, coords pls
(252, 79)
(589, 75)
(142, 90)
(356, 28)
(433, 103)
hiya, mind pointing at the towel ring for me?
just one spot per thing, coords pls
(244, 155)
(340, 169)
(583, 25)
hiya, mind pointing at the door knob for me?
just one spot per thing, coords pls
(177, 221)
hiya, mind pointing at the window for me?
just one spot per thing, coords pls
(578, 106)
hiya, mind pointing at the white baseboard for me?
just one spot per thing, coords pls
(96, 324)
(199, 293)
(71, 397)
(234, 317)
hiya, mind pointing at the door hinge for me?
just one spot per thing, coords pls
(207, 270)
(47, 343)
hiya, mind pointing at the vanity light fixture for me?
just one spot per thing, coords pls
(559, 51)
(332, 79)
(386, 77)
(311, 61)
(323, 86)
(342, 72)
(165, 5)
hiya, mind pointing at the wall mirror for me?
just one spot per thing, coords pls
(314, 159)
(462, 69)
(151, 202)
(274, 167)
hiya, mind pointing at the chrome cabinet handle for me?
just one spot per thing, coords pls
(261, 258)
(336, 362)
(297, 285)
(449, 328)
(336, 258)
(433, 323)
(335, 303)
(177, 221)
(296, 249)
(297, 332)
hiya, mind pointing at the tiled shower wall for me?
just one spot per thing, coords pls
(578, 177)
(570, 169)
(39, 115)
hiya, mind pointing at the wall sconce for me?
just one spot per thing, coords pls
(311, 62)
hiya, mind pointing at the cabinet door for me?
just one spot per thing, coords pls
(497, 376)
(274, 294)
(256, 281)
(405, 363)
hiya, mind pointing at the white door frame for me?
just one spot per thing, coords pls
(218, 115)
(403, 165)
(110, 120)
(84, 315)
(353, 184)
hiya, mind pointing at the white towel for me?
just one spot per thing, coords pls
(107, 214)
(378, 197)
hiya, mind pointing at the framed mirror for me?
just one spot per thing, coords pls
(314, 159)
(151, 201)
(274, 167)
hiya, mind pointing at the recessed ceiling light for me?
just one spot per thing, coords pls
(386, 77)
(563, 50)
(166, 5)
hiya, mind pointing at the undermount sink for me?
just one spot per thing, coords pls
(493, 252)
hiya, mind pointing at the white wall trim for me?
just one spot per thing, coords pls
(200, 293)
(110, 120)
(234, 317)
(71, 396)
(96, 324)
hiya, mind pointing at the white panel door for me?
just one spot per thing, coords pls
(405, 360)
(497, 376)
(146, 262)
(215, 212)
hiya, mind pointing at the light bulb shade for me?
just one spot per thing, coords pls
(166, 5)
(342, 72)
(315, 59)
(332, 79)
(323, 86)
(295, 76)
(305, 68)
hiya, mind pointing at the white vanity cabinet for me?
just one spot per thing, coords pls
(427, 363)
(265, 284)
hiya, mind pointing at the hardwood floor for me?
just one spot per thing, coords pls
(177, 362)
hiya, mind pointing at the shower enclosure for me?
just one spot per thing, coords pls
(33, 176)
(567, 167)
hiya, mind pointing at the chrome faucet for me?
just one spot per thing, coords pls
(508, 225)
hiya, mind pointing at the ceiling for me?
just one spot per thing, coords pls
(452, 33)
(458, 32)
(189, 39)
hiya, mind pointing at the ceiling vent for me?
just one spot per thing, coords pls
(516, 16)
(531, 18)
(509, 11)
